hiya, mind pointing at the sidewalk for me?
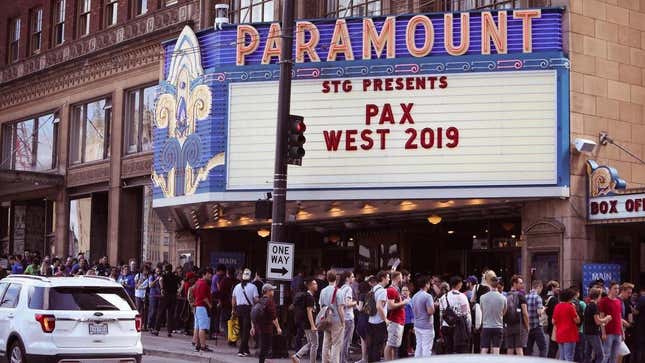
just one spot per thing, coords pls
(179, 347)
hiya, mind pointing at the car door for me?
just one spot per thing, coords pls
(10, 298)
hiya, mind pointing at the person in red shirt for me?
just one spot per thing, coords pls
(565, 320)
(203, 304)
(396, 316)
(612, 333)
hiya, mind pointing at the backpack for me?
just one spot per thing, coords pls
(326, 314)
(369, 307)
(449, 316)
(191, 296)
(258, 310)
(512, 316)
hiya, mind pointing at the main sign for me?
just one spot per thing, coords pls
(280, 261)
(425, 130)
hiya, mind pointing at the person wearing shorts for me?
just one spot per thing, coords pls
(203, 305)
(493, 305)
(396, 316)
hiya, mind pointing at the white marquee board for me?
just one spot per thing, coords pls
(507, 125)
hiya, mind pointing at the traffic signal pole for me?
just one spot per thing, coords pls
(278, 226)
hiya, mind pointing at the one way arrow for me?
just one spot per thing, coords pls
(282, 270)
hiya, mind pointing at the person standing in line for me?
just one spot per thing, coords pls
(493, 306)
(377, 322)
(535, 308)
(408, 328)
(224, 299)
(154, 294)
(625, 296)
(347, 279)
(126, 279)
(553, 291)
(478, 291)
(455, 336)
(423, 309)
(591, 326)
(332, 297)
(580, 306)
(612, 333)
(516, 317)
(169, 284)
(362, 324)
(141, 286)
(216, 280)
(307, 315)
(565, 320)
(263, 327)
(396, 316)
(245, 294)
(202, 296)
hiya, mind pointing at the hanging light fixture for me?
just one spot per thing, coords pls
(263, 232)
(434, 219)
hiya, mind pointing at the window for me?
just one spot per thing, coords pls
(251, 11)
(111, 11)
(171, 2)
(30, 144)
(89, 299)
(11, 297)
(14, 40)
(90, 131)
(347, 8)
(85, 7)
(462, 5)
(140, 7)
(35, 30)
(140, 109)
(59, 22)
(80, 222)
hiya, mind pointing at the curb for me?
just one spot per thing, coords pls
(182, 356)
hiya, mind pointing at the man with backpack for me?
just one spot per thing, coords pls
(455, 318)
(168, 283)
(245, 294)
(305, 311)
(332, 303)
(516, 316)
(265, 318)
(376, 308)
(535, 309)
(493, 305)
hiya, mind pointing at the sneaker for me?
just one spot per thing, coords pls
(295, 359)
(154, 332)
(246, 354)
(240, 355)
(169, 335)
(197, 347)
(206, 349)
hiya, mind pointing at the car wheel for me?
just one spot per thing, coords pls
(17, 353)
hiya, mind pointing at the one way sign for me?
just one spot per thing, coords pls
(280, 261)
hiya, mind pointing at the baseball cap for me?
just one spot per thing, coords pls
(472, 279)
(246, 275)
(267, 287)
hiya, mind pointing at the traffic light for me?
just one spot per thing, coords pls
(296, 140)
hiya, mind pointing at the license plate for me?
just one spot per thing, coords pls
(98, 328)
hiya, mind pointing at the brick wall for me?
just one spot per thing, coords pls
(607, 51)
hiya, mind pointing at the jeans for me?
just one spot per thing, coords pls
(265, 345)
(167, 307)
(141, 308)
(332, 344)
(300, 334)
(311, 346)
(593, 344)
(567, 351)
(347, 340)
(610, 347)
(407, 341)
(376, 337)
(425, 341)
(580, 349)
(153, 306)
(244, 317)
(536, 336)
(224, 317)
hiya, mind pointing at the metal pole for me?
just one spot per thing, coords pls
(278, 227)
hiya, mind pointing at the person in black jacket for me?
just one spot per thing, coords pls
(169, 284)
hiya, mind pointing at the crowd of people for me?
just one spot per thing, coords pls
(337, 315)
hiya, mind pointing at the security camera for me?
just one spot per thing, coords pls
(584, 145)
(221, 15)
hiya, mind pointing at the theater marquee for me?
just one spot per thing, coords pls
(416, 106)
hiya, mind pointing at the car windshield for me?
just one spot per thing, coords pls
(89, 298)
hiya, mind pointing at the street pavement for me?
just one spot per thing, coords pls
(162, 349)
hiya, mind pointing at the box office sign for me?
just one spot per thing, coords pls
(623, 206)
(473, 103)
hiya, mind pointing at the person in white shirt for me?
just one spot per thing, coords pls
(453, 335)
(377, 323)
(333, 338)
(347, 280)
(423, 308)
(245, 294)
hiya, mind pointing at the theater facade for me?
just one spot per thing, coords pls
(439, 140)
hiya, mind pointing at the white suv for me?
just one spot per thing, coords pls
(67, 319)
